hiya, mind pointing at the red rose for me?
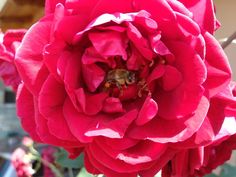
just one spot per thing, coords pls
(122, 80)
(9, 42)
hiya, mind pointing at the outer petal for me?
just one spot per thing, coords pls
(116, 165)
(218, 68)
(45, 134)
(25, 111)
(142, 152)
(206, 19)
(29, 56)
(51, 100)
(160, 163)
(107, 171)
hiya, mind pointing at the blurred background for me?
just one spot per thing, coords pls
(16, 14)
(226, 14)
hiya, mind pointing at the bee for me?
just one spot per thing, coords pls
(119, 78)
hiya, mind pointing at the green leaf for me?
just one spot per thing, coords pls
(64, 161)
(228, 171)
(84, 173)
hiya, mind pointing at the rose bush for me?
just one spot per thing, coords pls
(127, 82)
(9, 42)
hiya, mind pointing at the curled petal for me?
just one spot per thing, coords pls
(147, 112)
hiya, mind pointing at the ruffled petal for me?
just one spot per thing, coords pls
(163, 131)
(206, 19)
(51, 100)
(29, 55)
(25, 111)
(218, 73)
(184, 99)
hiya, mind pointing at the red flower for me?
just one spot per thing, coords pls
(9, 42)
(22, 163)
(122, 80)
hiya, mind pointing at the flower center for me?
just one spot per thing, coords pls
(120, 78)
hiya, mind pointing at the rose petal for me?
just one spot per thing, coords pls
(187, 25)
(101, 124)
(11, 36)
(89, 166)
(163, 131)
(91, 56)
(29, 56)
(147, 112)
(93, 76)
(171, 79)
(69, 69)
(119, 144)
(206, 19)
(51, 100)
(115, 164)
(218, 73)
(85, 100)
(117, 18)
(184, 99)
(25, 111)
(46, 135)
(139, 42)
(113, 105)
(52, 53)
(180, 7)
(157, 72)
(115, 129)
(160, 163)
(50, 5)
(106, 171)
(140, 153)
(123, 6)
(109, 43)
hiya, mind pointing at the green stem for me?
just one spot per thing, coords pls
(52, 167)
(37, 167)
(70, 171)
(229, 40)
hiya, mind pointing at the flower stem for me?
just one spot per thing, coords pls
(52, 167)
(229, 40)
(70, 171)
